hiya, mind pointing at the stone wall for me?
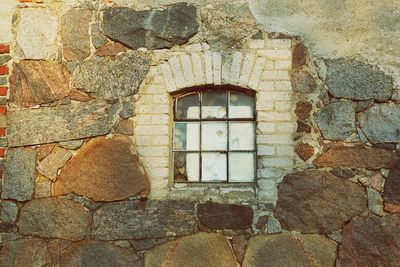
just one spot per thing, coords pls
(86, 136)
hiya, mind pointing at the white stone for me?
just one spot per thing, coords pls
(187, 70)
(235, 67)
(282, 65)
(275, 54)
(197, 47)
(177, 72)
(7, 8)
(277, 75)
(199, 75)
(271, 116)
(248, 63)
(36, 34)
(257, 72)
(168, 78)
(217, 67)
(265, 150)
(276, 162)
(208, 67)
(256, 43)
(274, 139)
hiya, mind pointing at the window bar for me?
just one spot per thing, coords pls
(227, 133)
(200, 95)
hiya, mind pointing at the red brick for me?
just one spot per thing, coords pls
(2, 150)
(4, 48)
(3, 91)
(3, 110)
(2, 131)
(3, 70)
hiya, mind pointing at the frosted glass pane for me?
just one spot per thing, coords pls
(188, 107)
(214, 136)
(241, 136)
(213, 167)
(213, 104)
(241, 105)
(186, 136)
(241, 167)
(186, 167)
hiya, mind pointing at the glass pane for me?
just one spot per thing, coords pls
(188, 107)
(241, 167)
(240, 105)
(186, 136)
(213, 136)
(213, 104)
(186, 167)
(241, 136)
(213, 167)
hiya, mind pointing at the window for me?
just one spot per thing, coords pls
(214, 136)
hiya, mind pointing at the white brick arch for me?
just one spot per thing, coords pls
(262, 66)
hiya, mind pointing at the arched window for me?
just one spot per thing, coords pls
(214, 135)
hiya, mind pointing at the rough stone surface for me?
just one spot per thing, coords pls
(44, 150)
(224, 216)
(80, 96)
(95, 253)
(54, 124)
(54, 218)
(239, 243)
(50, 165)
(72, 145)
(371, 241)
(303, 82)
(136, 219)
(357, 156)
(299, 57)
(104, 170)
(75, 34)
(391, 193)
(375, 202)
(363, 105)
(303, 110)
(152, 29)
(4, 59)
(112, 78)
(357, 80)
(304, 151)
(111, 49)
(19, 176)
(381, 123)
(36, 33)
(42, 187)
(318, 201)
(273, 225)
(38, 82)
(392, 208)
(9, 211)
(336, 121)
(302, 127)
(290, 250)
(202, 249)
(124, 126)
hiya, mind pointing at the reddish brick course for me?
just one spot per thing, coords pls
(3, 91)
(3, 70)
(2, 131)
(2, 152)
(4, 48)
(3, 110)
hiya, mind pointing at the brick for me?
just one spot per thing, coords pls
(275, 54)
(283, 106)
(217, 67)
(283, 86)
(153, 150)
(248, 63)
(279, 43)
(276, 162)
(187, 70)
(152, 162)
(257, 72)
(274, 96)
(3, 110)
(282, 65)
(199, 75)
(208, 67)
(277, 75)
(2, 131)
(235, 67)
(263, 150)
(193, 48)
(274, 116)
(152, 109)
(158, 172)
(160, 119)
(256, 43)
(177, 72)
(266, 86)
(4, 48)
(3, 91)
(2, 152)
(264, 105)
(286, 127)
(161, 99)
(274, 139)
(151, 130)
(3, 121)
(266, 127)
(4, 70)
(285, 150)
(168, 78)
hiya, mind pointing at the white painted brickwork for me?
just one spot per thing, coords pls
(262, 66)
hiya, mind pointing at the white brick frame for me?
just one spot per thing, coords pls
(263, 66)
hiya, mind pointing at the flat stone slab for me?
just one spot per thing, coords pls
(137, 220)
(19, 177)
(50, 165)
(54, 218)
(112, 78)
(290, 250)
(381, 123)
(356, 80)
(61, 123)
(357, 156)
(217, 216)
(152, 29)
(391, 193)
(104, 170)
(202, 249)
(318, 202)
(38, 82)
(371, 241)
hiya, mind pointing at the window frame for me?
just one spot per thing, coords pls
(221, 88)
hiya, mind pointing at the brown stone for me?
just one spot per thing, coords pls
(44, 150)
(371, 241)
(290, 250)
(217, 216)
(202, 249)
(303, 82)
(318, 202)
(391, 193)
(96, 253)
(239, 243)
(124, 126)
(104, 170)
(38, 82)
(42, 187)
(357, 156)
(303, 110)
(375, 181)
(304, 151)
(80, 96)
(54, 218)
(111, 49)
(299, 55)
(303, 127)
(391, 208)
(50, 165)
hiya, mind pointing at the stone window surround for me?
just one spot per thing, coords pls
(262, 66)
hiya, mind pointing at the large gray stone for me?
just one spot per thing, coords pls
(54, 218)
(318, 202)
(336, 121)
(381, 123)
(290, 250)
(356, 80)
(112, 78)
(19, 176)
(54, 124)
(136, 219)
(152, 29)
